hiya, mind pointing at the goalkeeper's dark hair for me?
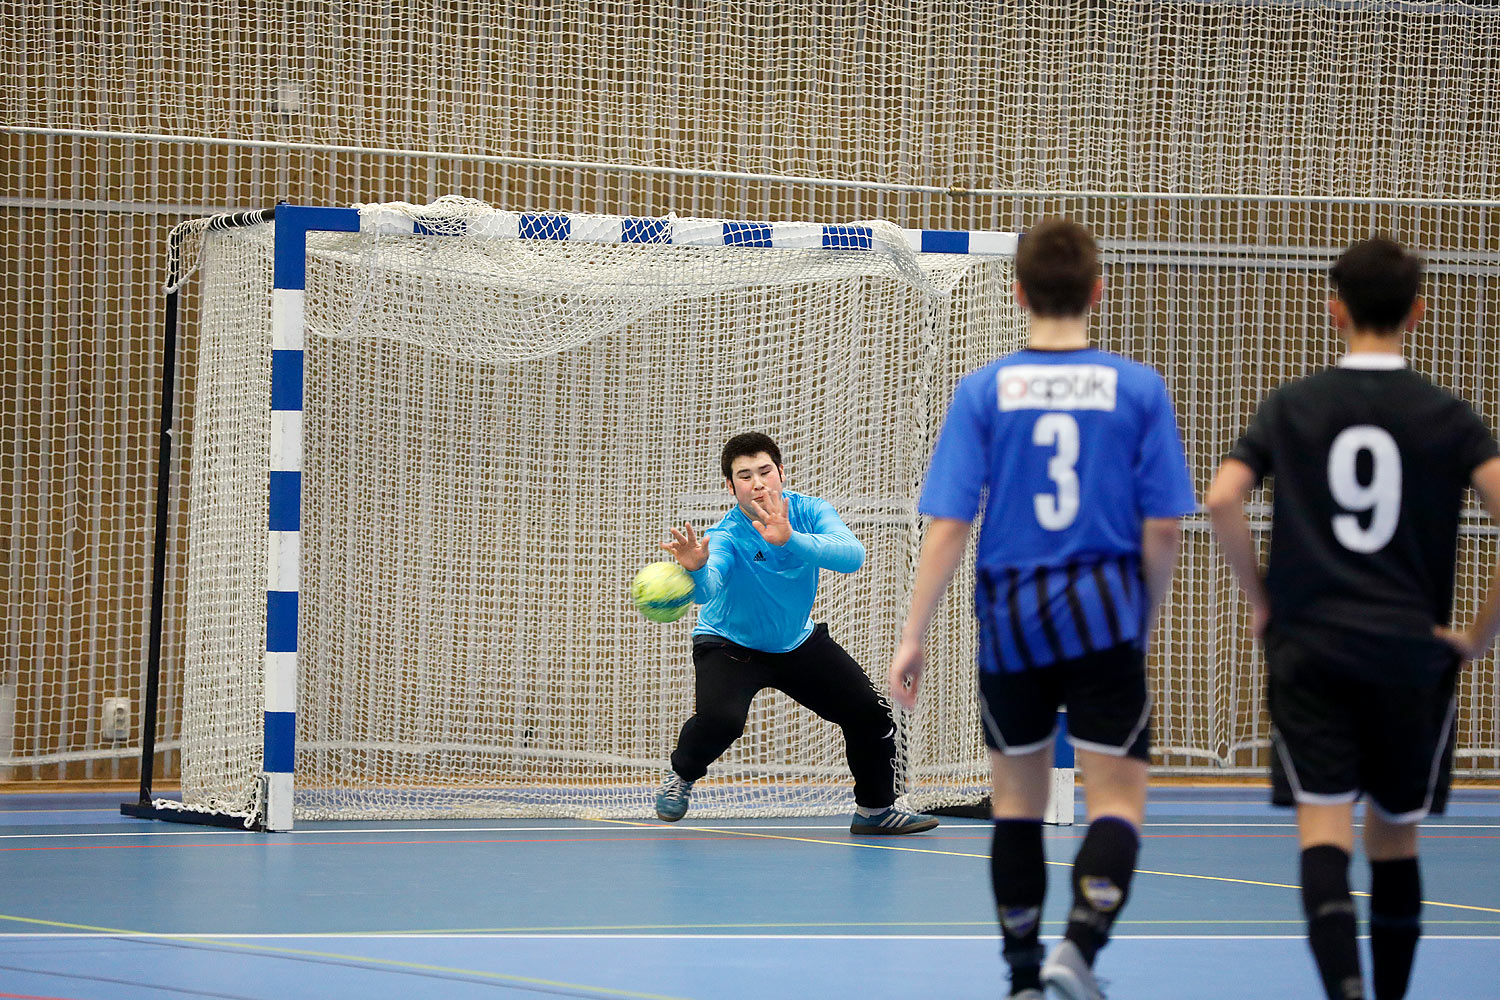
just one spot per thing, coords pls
(1378, 280)
(752, 443)
(1057, 264)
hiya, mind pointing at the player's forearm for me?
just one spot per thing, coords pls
(1232, 529)
(1161, 540)
(1226, 512)
(942, 548)
(1486, 623)
(838, 551)
(708, 581)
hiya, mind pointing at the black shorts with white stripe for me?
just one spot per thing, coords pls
(1336, 736)
(1109, 709)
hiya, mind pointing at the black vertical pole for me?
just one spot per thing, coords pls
(159, 553)
(143, 807)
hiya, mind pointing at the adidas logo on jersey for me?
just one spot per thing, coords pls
(760, 556)
(1057, 387)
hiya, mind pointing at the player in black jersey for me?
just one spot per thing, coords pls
(1370, 462)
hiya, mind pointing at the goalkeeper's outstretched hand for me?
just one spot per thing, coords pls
(771, 520)
(690, 551)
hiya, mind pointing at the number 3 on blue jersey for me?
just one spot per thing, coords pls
(1055, 511)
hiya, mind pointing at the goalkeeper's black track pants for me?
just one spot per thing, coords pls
(818, 674)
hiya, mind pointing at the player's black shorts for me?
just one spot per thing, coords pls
(1336, 736)
(1109, 709)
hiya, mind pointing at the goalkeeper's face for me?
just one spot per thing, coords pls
(754, 478)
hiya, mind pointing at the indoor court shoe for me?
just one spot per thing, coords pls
(672, 798)
(1027, 995)
(1067, 976)
(891, 822)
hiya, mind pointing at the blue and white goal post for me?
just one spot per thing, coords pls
(294, 223)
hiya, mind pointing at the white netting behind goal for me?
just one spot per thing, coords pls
(497, 434)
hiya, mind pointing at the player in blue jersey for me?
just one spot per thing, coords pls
(756, 573)
(1075, 456)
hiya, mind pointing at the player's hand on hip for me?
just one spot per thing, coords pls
(690, 551)
(1462, 641)
(906, 674)
(1260, 617)
(771, 519)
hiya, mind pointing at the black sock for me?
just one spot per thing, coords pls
(1395, 924)
(1018, 872)
(1330, 920)
(1101, 882)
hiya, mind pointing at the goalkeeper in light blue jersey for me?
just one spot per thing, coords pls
(756, 574)
(1075, 457)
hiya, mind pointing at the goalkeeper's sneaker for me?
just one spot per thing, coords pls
(891, 822)
(1067, 976)
(672, 798)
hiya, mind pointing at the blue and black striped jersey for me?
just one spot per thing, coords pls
(1067, 452)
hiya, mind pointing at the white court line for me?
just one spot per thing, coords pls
(22, 812)
(217, 832)
(1426, 825)
(388, 937)
(702, 826)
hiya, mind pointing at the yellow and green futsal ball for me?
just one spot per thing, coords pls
(662, 591)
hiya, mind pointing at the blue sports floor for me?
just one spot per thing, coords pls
(95, 906)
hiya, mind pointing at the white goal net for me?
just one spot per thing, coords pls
(496, 435)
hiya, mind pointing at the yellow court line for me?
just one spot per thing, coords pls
(579, 929)
(986, 857)
(807, 840)
(779, 925)
(1289, 920)
(826, 925)
(1284, 885)
(305, 953)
